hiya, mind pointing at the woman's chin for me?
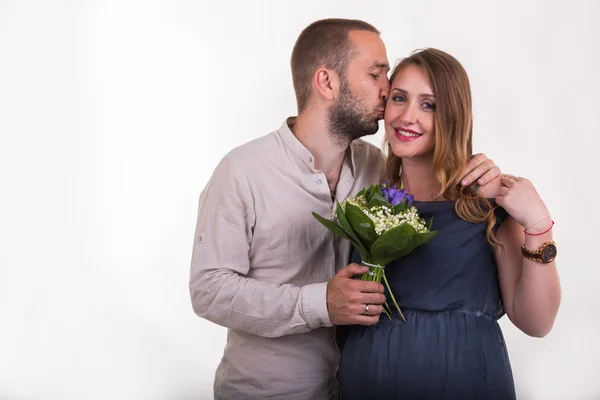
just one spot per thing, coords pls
(400, 150)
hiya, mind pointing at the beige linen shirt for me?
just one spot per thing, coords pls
(261, 263)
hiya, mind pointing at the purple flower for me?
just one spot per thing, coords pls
(395, 196)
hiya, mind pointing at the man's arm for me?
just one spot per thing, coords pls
(219, 288)
(222, 293)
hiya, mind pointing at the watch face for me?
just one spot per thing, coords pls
(549, 253)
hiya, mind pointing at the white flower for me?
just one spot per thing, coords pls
(384, 219)
(358, 201)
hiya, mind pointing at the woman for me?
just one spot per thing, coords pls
(454, 289)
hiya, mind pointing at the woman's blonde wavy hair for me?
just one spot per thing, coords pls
(453, 126)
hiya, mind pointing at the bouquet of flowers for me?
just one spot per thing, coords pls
(383, 226)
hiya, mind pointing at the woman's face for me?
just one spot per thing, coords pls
(409, 114)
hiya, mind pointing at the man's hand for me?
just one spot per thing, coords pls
(347, 298)
(481, 170)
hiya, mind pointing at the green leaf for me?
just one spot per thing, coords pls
(377, 200)
(402, 206)
(430, 223)
(393, 244)
(364, 253)
(374, 190)
(362, 193)
(424, 238)
(339, 230)
(361, 224)
(360, 247)
(332, 226)
(398, 242)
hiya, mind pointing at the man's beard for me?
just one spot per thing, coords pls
(348, 120)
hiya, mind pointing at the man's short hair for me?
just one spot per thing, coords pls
(324, 43)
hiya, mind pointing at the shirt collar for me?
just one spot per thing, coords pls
(305, 156)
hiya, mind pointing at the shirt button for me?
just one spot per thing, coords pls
(309, 159)
(319, 182)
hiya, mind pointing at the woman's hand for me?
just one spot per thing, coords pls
(520, 199)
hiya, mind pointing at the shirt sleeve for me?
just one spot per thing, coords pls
(501, 216)
(220, 288)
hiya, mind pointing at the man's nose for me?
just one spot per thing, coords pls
(385, 90)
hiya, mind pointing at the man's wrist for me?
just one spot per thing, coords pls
(313, 299)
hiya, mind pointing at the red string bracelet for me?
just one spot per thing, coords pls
(541, 233)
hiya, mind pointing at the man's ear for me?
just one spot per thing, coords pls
(326, 84)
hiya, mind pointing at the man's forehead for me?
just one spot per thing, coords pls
(374, 64)
(370, 50)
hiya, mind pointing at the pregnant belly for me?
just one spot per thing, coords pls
(433, 354)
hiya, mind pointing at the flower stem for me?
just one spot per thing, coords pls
(393, 298)
(375, 274)
(386, 307)
(386, 312)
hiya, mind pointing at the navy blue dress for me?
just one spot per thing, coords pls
(451, 346)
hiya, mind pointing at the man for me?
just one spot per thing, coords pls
(262, 265)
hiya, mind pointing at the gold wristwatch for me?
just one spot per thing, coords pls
(546, 253)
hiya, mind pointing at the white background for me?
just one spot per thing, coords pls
(113, 115)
